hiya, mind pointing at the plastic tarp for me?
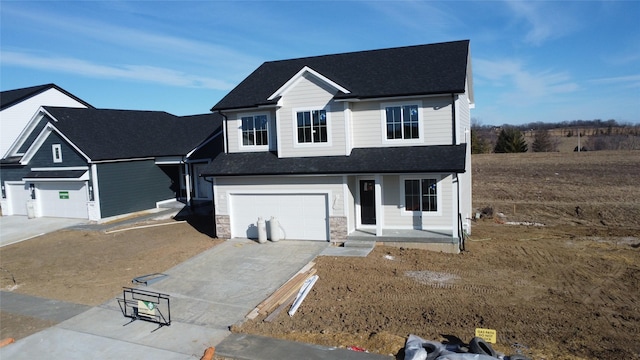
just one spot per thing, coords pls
(418, 348)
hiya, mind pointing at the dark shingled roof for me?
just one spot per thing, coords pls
(105, 134)
(409, 159)
(404, 71)
(11, 97)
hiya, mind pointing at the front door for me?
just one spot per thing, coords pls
(367, 202)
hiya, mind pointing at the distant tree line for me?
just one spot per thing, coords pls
(602, 135)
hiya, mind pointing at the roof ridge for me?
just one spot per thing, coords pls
(367, 51)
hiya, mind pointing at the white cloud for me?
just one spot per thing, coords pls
(417, 15)
(546, 20)
(138, 41)
(521, 84)
(629, 81)
(150, 74)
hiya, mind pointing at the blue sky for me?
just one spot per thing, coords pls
(532, 60)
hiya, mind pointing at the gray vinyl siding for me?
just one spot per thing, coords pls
(438, 124)
(310, 94)
(464, 121)
(392, 201)
(276, 184)
(33, 135)
(131, 186)
(44, 156)
(13, 173)
(369, 130)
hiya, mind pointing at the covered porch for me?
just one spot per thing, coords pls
(410, 238)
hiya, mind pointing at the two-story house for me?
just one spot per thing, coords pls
(362, 145)
(18, 106)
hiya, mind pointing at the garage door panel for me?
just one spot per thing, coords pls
(17, 195)
(62, 199)
(301, 216)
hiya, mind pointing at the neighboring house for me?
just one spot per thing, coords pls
(100, 163)
(18, 106)
(371, 144)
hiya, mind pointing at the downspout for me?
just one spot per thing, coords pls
(187, 183)
(453, 120)
(460, 229)
(213, 207)
(454, 139)
(226, 132)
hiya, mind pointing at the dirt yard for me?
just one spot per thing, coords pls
(555, 270)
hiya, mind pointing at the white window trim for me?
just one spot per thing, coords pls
(243, 147)
(56, 150)
(383, 119)
(294, 116)
(405, 212)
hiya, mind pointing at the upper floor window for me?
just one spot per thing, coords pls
(402, 122)
(312, 126)
(255, 130)
(56, 149)
(421, 195)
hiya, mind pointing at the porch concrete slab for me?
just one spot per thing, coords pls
(37, 307)
(346, 251)
(253, 347)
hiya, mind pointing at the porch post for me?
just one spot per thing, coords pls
(187, 183)
(379, 213)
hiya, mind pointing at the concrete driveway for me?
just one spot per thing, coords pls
(17, 228)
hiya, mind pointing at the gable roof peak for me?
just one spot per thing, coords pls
(430, 69)
(306, 70)
(9, 98)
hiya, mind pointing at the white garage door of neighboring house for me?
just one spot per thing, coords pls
(301, 216)
(62, 199)
(17, 197)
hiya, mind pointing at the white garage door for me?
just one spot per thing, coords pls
(62, 199)
(301, 216)
(17, 196)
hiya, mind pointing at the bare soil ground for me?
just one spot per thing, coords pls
(565, 288)
(91, 267)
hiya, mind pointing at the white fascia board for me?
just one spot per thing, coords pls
(469, 82)
(169, 160)
(121, 160)
(84, 177)
(24, 134)
(283, 89)
(393, 98)
(62, 168)
(37, 143)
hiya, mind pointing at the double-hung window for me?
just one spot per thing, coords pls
(312, 126)
(402, 122)
(421, 195)
(255, 130)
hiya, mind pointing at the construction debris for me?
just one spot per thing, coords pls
(302, 294)
(285, 295)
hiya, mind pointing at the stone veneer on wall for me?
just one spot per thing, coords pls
(338, 228)
(223, 227)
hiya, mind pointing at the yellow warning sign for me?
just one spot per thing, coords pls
(488, 335)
